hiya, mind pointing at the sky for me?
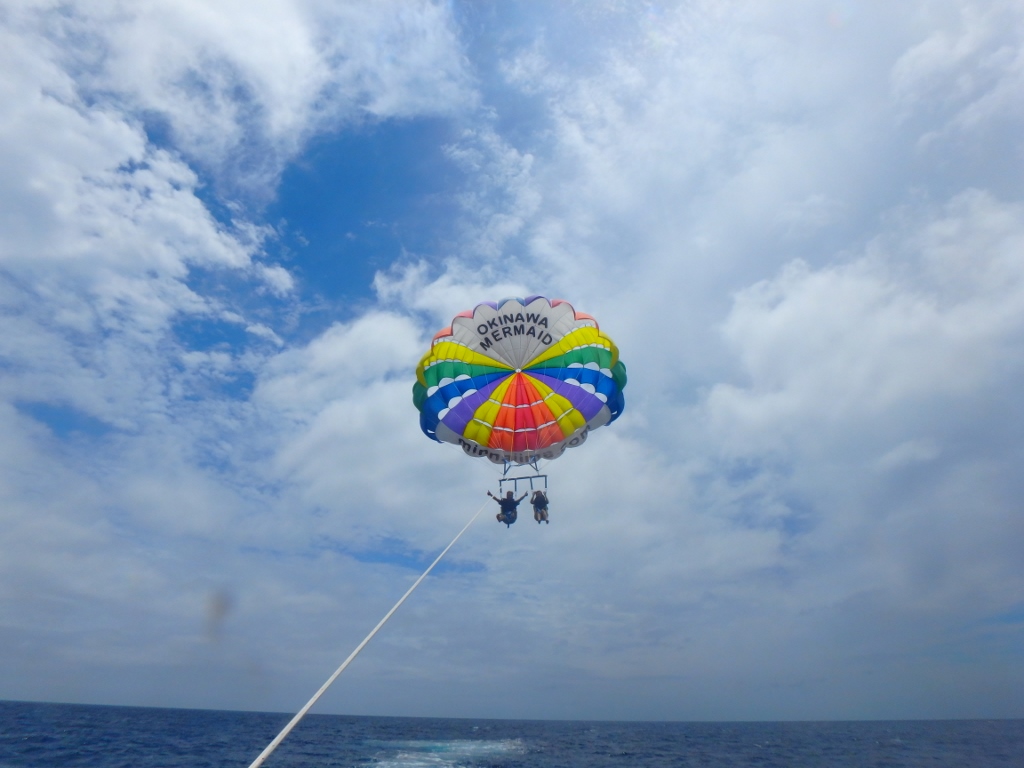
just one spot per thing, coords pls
(229, 230)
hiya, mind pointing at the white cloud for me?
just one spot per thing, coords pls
(764, 157)
(240, 87)
(344, 359)
(969, 65)
(278, 279)
(412, 287)
(814, 485)
(902, 360)
(909, 452)
(136, 474)
(935, 316)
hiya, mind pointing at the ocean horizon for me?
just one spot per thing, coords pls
(48, 735)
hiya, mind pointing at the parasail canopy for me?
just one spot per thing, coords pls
(519, 380)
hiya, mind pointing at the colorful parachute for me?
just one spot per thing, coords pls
(519, 380)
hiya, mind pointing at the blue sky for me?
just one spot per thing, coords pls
(227, 235)
(353, 201)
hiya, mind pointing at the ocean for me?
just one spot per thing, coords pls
(68, 735)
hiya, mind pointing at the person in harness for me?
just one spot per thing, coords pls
(508, 505)
(539, 500)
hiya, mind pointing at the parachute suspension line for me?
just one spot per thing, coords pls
(533, 463)
(302, 712)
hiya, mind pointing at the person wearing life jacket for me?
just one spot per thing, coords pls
(509, 506)
(539, 500)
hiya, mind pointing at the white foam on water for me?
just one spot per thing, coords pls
(445, 754)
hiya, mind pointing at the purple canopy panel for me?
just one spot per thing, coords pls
(458, 417)
(585, 402)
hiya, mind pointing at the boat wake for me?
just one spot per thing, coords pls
(439, 754)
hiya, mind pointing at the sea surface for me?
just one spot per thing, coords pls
(67, 735)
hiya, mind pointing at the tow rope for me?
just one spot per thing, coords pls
(302, 712)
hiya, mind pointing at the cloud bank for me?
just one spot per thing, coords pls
(802, 224)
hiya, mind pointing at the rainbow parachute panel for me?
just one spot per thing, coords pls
(519, 380)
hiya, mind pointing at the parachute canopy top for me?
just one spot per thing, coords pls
(519, 380)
